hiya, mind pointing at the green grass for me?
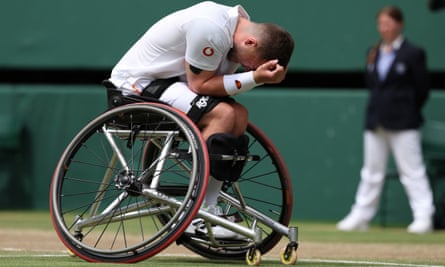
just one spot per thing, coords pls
(36, 220)
(58, 261)
(324, 232)
(310, 232)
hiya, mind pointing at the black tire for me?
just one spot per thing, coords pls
(99, 207)
(266, 186)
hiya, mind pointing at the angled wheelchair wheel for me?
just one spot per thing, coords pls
(107, 205)
(264, 187)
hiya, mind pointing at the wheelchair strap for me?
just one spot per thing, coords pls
(115, 97)
(157, 87)
(203, 104)
(237, 148)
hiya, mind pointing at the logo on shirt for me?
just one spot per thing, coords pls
(208, 51)
(238, 84)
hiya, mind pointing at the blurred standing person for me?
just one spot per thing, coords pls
(397, 78)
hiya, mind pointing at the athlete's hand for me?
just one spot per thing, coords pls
(270, 72)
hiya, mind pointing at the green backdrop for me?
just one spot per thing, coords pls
(319, 132)
(96, 33)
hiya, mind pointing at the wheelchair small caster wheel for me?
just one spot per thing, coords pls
(253, 257)
(288, 255)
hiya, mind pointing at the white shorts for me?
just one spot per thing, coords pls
(178, 95)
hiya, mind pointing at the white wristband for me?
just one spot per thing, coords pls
(239, 82)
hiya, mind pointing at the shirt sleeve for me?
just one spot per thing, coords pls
(206, 44)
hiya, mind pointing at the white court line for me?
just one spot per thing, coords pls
(367, 263)
(63, 253)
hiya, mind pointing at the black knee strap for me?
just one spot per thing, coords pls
(221, 145)
(200, 106)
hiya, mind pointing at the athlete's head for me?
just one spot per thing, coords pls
(256, 43)
(274, 43)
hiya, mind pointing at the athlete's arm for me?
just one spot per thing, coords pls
(204, 82)
(205, 49)
(207, 83)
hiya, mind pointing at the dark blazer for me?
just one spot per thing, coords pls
(396, 102)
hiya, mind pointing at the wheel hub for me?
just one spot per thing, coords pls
(125, 180)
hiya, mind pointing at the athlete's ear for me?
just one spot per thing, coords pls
(250, 41)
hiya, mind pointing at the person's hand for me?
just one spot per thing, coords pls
(270, 72)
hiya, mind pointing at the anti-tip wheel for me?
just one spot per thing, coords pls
(253, 257)
(288, 255)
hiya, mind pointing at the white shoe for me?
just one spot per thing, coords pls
(420, 226)
(220, 232)
(198, 226)
(217, 210)
(214, 209)
(352, 222)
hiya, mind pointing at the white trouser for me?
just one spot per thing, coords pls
(406, 149)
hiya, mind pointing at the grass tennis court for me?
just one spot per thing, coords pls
(28, 239)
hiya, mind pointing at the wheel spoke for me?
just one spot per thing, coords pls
(97, 202)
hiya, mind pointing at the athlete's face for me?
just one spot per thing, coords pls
(247, 56)
(251, 62)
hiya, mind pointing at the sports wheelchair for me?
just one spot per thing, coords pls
(132, 180)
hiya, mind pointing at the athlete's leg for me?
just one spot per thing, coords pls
(225, 117)
(178, 95)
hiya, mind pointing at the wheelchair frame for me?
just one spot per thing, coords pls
(92, 222)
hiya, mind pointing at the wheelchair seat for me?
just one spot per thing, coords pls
(116, 98)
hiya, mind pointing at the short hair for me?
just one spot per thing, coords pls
(275, 43)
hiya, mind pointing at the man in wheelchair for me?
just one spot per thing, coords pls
(189, 60)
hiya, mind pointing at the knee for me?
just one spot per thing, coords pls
(228, 118)
(242, 114)
(241, 121)
(236, 115)
(228, 112)
(224, 111)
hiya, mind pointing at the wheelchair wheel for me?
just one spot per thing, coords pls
(265, 186)
(106, 204)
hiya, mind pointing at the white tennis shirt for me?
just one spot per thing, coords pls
(202, 35)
